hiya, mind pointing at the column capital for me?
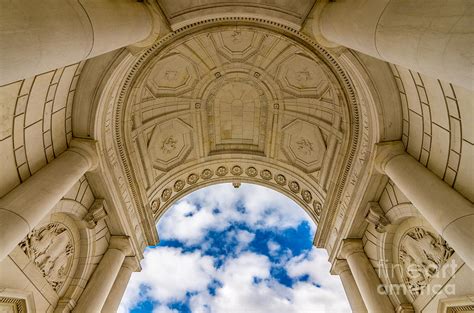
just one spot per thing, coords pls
(86, 148)
(132, 263)
(158, 28)
(121, 243)
(351, 246)
(339, 266)
(316, 26)
(385, 151)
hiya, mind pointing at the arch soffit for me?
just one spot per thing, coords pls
(111, 125)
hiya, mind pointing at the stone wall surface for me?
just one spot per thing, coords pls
(35, 126)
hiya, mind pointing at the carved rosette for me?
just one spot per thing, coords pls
(192, 179)
(155, 205)
(51, 248)
(306, 194)
(206, 173)
(236, 170)
(166, 194)
(280, 179)
(317, 207)
(251, 171)
(266, 174)
(179, 185)
(221, 171)
(421, 255)
(294, 186)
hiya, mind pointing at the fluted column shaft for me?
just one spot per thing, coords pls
(100, 284)
(450, 214)
(26, 205)
(434, 37)
(342, 269)
(365, 277)
(118, 289)
(38, 36)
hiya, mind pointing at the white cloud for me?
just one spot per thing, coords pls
(247, 286)
(245, 283)
(314, 264)
(164, 309)
(273, 247)
(243, 237)
(187, 222)
(168, 273)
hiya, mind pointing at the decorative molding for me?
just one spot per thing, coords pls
(16, 301)
(238, 173)
(456, 304)
(220, 171)
(12, 305)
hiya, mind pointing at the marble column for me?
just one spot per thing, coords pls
(434, 37)
(342, 269)
(38, 36)
(129, 266)
(365, 277)
(26, 205)
(450, 214)
(100, 284)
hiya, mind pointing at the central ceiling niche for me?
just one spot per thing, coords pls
(237, 116)
(235, 97)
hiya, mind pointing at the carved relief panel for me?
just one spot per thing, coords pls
(51, 248)
(421, 255)
(422, 261)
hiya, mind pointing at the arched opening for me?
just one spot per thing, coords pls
(374, 144)
(227, 249)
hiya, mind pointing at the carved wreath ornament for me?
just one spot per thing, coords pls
(236, 170)
(421, 256)
(51, 248)
(169, 144)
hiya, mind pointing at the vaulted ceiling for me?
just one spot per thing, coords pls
(236, 93)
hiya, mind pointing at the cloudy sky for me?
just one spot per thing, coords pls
(226, 250)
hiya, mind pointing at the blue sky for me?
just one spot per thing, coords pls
(227, 250)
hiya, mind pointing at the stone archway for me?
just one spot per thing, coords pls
(159, 118)
(233, 96)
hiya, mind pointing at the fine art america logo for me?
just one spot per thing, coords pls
(429, 279)
(424, 265)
